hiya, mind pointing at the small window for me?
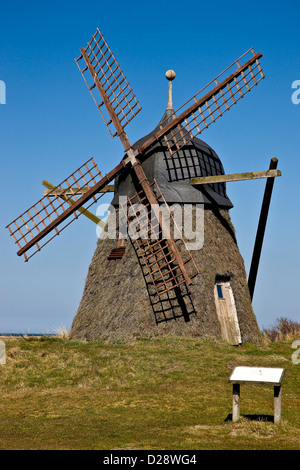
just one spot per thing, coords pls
(220, 293)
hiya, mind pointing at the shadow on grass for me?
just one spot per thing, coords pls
(268, 418)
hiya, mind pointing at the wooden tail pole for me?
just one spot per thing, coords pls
(261, 229)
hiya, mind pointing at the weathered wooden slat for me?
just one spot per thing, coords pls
(84, 211)
(235, 177)
(68, 192)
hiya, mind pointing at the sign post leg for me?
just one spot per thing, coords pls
(277, 404)
(235, 403)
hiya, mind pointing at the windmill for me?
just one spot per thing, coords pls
(169, 268)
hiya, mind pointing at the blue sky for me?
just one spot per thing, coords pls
(49, 126)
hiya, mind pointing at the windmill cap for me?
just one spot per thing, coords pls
(170, 74)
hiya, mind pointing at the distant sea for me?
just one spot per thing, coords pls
(27, 334)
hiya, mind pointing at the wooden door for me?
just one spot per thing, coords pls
(226, 311)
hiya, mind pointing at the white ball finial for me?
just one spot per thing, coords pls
(170, 75)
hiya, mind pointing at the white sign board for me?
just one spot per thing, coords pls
(271, 375)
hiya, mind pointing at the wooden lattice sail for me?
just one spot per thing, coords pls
(152, 242)
(211, 102)
(102, 74)
(41, 221)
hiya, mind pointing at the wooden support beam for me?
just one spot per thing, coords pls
(261, 230)
(68, 192)
(235, 177)
(84, 211)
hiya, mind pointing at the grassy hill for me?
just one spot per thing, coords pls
(153, 394)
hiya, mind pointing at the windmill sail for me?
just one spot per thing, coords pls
(41, 221)
(209, 103)
(121, 106)
(103, 74)
(164, 267)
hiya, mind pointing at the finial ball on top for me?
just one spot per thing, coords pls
(170, 74)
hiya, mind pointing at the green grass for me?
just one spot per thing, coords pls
(154, 394)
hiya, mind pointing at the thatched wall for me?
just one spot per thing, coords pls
(115, 304)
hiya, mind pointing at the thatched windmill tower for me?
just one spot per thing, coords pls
(117, 302)
(140, 283)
